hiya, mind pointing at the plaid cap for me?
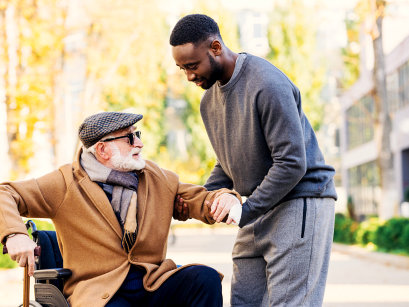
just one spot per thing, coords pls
(96, 126)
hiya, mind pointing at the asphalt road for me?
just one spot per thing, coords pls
(353, 281)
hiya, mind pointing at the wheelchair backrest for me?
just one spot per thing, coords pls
(50, 253)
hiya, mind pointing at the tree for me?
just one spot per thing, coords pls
(201, 157)
(350, 53)
(372, 13)
(32, 32)
(4, 148)
(292, 42)
(127, 44)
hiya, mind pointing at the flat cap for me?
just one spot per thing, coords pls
(96, 126)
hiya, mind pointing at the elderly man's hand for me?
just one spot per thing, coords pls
(180, 209)
(224, 205)
(21, 249)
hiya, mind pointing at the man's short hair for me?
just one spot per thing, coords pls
(194, 28)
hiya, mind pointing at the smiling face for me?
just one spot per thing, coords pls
(199, 62)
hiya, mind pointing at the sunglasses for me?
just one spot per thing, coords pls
(131, 137)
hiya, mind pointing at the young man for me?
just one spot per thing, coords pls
(112, 212)
(266, 151)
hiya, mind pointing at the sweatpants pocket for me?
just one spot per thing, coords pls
(304, 215)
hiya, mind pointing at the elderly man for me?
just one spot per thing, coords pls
(112, 212)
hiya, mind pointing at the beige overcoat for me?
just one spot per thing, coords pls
(88, 232)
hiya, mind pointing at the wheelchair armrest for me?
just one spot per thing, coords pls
(59, 273)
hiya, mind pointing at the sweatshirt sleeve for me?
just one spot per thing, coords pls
(281, 125)
(218, 179)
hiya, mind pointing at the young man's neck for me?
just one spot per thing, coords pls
(229, 62)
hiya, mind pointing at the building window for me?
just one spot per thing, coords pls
(392, 85)
(364, 188)
(360, 122)
(404, 85)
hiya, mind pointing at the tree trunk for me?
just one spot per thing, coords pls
(12, 59)
(383, 126)
(4, 145)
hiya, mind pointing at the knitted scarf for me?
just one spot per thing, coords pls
(124, 198)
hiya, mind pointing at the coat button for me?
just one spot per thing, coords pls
(105, 295)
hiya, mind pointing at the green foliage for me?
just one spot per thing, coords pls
(389, 235)
(31, 74)
(351, 208)
(44, 224)
(363, 16)
(127, 61)
(224, 18)
(367, 231)
(292, 41)
(201, 158)
(345, 229)
(351, 52)
(404, 238)
(5, 261)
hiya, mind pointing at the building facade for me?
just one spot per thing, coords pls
(360, 175)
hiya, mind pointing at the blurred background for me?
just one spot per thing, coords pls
(62, 60)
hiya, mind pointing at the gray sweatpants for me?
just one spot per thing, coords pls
(282, 258)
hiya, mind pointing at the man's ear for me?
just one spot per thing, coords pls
(103, 151)
(216, 47)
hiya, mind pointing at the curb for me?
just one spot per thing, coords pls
(401, 262)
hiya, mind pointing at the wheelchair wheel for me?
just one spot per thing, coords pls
(33, 304)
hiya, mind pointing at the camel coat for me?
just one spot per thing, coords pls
(88, 231)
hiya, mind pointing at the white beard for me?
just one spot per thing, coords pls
(126, 163)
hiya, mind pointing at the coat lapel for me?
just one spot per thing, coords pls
(97, 196)
(101, 202)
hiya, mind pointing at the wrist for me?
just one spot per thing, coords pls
(235, 213)
(7, 237)
(13, 235)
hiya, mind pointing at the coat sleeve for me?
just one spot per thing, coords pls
(196, 196)
(36, 198)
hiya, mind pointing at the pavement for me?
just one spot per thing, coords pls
(356, 278)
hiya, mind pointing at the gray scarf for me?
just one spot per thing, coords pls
(124, 197)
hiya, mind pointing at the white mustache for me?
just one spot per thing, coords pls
(136, 151)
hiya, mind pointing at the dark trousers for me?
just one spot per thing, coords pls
(197, 286)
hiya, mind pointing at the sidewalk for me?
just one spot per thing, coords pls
(361, 278)
(401, 262)
(357, 277)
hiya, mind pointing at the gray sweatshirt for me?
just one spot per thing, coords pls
(265, 146)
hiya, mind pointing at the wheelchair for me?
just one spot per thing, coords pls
(49, 274)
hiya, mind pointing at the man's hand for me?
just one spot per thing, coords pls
(21, 249)
(180, 210)
(221, 208)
